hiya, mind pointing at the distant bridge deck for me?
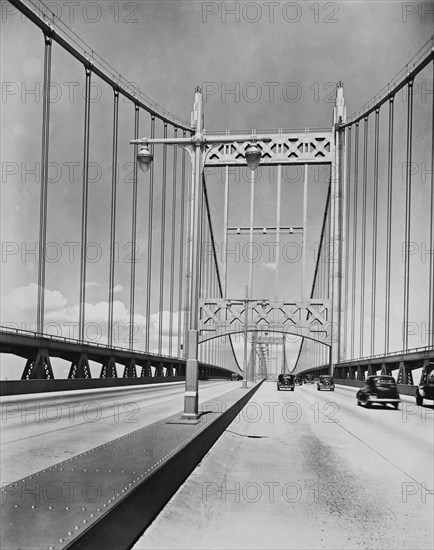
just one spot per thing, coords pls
(29, 345)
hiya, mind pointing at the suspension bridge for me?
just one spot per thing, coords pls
(363, 306)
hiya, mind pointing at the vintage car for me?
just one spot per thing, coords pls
(379, 389)
(425, 389)
(297, 381)
(326, 382)
(235, 376)
(286, 382)
(309, 379)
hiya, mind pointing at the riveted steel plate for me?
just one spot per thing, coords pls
(50, 509)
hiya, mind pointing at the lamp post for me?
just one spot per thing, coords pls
(196, 146)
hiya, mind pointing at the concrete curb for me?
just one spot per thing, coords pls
(22, 387)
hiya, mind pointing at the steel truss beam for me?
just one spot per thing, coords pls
(108, 369)
(306, 318)
(80, 367)
(269, 341)
(38, 366)
(279, 148)
(130, 370)
(405, 375)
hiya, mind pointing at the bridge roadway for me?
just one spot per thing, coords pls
(308, 470)
(40, 430)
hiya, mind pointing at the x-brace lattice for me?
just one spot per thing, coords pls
(306, 318)
(288, 148)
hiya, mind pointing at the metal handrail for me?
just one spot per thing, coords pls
(30, 333)
(273, 131)
(54, 337)
(390, 354)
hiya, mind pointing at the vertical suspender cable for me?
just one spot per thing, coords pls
(113, 214)
(203, 281)
(252, 214)
(374, 230)
(210, 293)
(279, 188)
(84, 206)
(149, 259)
(431, 239)
(304, 248)
(181, 251)
(225, 234)
(389, 225)
(172, 255)
(131, 330)
(319, 287)
(408, 213)
(354, 262)
(347, 238)
(329, 254)
(162, 245)
(201, 287)
(363, 251)
(44, 185)
(211, 272)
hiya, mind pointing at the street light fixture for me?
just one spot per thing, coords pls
(196, 146)
(253, 156)
(144, 158)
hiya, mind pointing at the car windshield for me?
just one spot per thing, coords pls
(326, 377)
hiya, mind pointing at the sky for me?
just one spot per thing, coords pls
(261, 65)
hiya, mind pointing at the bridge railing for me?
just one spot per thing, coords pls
(56, 338)
(389, 354)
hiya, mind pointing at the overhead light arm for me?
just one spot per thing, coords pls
(253, 152)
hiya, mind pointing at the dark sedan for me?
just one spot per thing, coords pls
(326, 382)
(425, 390)
(286, 382)
(379, 389)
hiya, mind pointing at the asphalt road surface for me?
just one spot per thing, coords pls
(309, 470)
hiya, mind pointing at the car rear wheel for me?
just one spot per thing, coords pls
(419, 399)
(396, 405)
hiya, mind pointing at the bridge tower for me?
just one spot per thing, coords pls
(338, 208)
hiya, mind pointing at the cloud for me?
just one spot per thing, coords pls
(91, 284)
(270, 265)
(155, 323)
(20, 305)
(118, 288)
(96, 313)
(24, 299)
